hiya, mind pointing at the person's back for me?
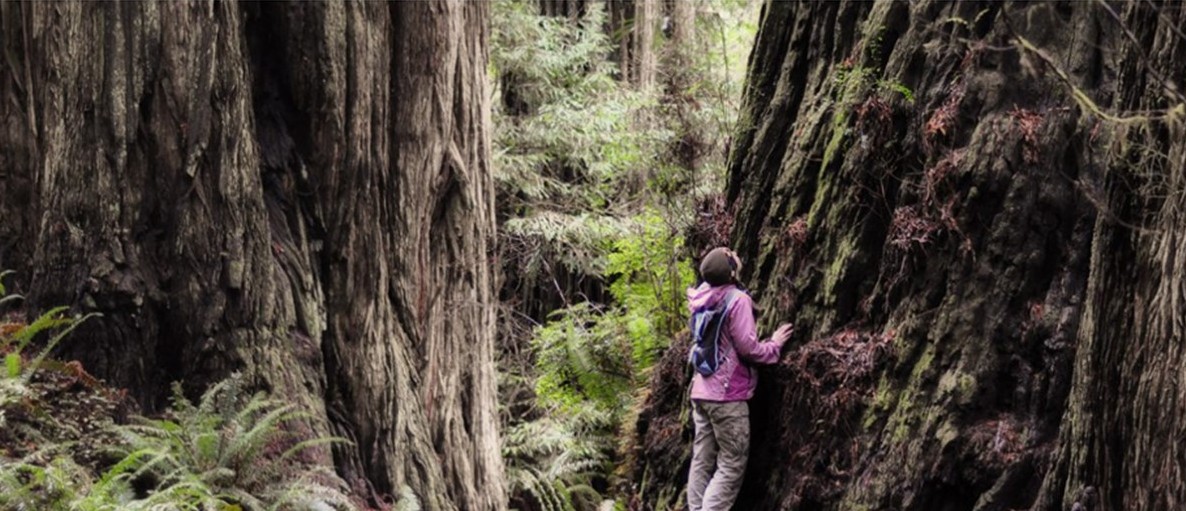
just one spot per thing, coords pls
(719, 400)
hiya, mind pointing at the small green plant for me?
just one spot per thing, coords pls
(590, 358)
(650, 275)
(600, 353)
(898, 87)
(583, 355)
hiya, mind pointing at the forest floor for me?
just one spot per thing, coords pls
(63, 410)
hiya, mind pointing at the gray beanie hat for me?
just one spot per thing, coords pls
(719, 267)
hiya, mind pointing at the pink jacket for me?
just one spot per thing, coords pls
(735, 379)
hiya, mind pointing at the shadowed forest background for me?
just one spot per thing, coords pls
(432, 254)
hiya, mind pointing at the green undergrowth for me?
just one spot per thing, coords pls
(591, 359)
(68, 442)
(226, 452)
(595, 196)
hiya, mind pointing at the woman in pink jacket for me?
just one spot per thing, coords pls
(719, 408)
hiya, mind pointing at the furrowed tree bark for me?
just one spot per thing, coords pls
(981, 259)
(299, 192)
(19, 155)
(1119, 447)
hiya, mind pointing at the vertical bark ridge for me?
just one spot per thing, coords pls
(298, 191)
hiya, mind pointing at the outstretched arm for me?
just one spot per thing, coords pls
(744, 334)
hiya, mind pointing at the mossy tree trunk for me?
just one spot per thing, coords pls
(982, 262)
(299, 192)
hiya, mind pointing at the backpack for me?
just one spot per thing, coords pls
(706, 325)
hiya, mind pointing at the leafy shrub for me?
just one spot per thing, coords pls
(590, 359)
(600, 353)
(650, 273)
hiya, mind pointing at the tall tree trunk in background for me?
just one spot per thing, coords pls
(679, 71)
(681, 28)
(983, 265)
(643, 62)
(562, 8)
(299, 192)
(621, 16)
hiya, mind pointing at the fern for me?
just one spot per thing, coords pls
(50, 319)
(555, 459)
(212, 453)
(61, 484)
(70, 325)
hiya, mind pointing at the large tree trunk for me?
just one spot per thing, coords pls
(983, 265)
(296, 191)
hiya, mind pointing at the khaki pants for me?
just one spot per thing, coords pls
(722, 442)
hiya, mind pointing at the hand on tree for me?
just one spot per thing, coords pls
(783, 334)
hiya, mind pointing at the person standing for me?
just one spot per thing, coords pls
(720, 410)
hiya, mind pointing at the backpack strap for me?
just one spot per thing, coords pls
(729, 299)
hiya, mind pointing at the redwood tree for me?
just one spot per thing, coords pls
(973, 214)
(296, 191)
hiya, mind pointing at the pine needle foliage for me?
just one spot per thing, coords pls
(577, 241)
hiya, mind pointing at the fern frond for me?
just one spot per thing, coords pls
(208, 404)
(5, 300)
(308, 444)
(248, 444)
(47, 320)
(72, 324)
